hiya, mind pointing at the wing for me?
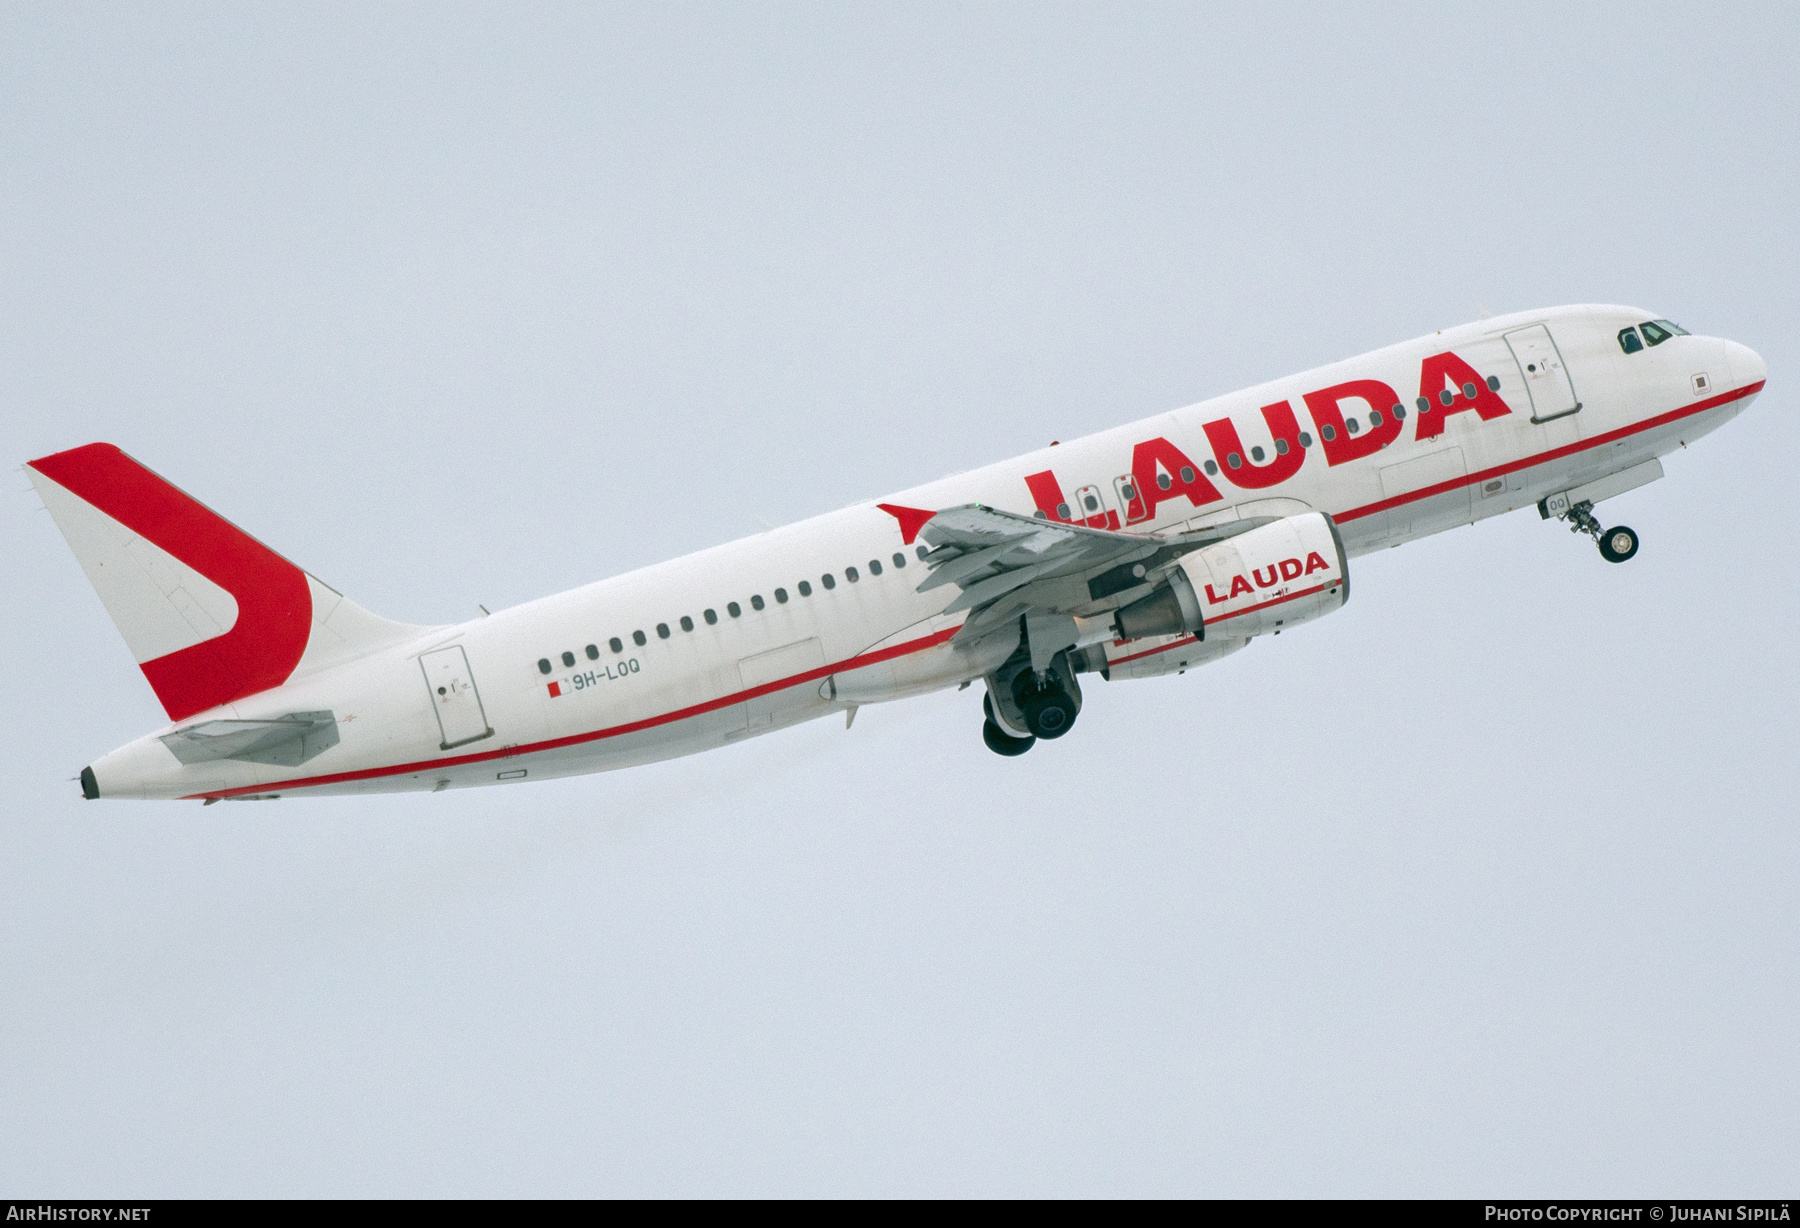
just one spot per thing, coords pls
(1009, 566)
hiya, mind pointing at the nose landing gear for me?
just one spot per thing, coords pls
(1616, 544)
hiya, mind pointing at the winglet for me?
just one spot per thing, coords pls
(911, 519)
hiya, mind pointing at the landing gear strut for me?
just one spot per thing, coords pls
(1616, 544)
(1023, 704)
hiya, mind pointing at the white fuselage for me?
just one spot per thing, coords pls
(785, 657)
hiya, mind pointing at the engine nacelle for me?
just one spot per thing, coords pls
(1269, 579)
(1221, 596)
(1121, 660)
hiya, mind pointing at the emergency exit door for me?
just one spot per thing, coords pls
(1546, 376)
(460, 716)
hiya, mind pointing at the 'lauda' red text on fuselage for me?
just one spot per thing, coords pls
(1160, 471)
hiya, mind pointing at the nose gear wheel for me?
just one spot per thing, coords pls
(1619, 544)
(1616, 544)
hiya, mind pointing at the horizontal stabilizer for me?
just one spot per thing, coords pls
(288, 740)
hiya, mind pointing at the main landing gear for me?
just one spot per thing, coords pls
(1042, 705)
(1616, 544)
(998, 740)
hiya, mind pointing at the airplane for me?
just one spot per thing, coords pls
(1145, 550)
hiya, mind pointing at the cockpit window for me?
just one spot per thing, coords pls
(1672, 327)
(1654, 333)
(1628, 340)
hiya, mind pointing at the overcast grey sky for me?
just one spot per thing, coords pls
(1485, 885)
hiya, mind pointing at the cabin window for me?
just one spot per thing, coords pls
(687, 623)
(711, 616)
(1469, 391)
(1493, 383)
(899, 559)
(828, 580)
(1235, 461)
(1424, 405)
(1374, 417)
(850, 574)
(637, 637)
(543, 665)
(593, 652)
(1305, 440)
(568, 659)
(662, 631)
(733, 608)
(1329, 431)
(805, 589)
(1447, 397)
(1257, 454)
(1164, 481)
(1211, 467)
(616, 644)
(922, 551)
(1281, 447)
(756, 601)
(781, 596)
(1399, 412)
(1187, 473)
(874, 567)
(1062, 511)
(1352, 425)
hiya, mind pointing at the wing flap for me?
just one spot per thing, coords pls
(1008, 565)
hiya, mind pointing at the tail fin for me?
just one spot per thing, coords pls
(210, 613)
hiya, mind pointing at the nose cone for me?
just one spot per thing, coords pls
(1747, 366)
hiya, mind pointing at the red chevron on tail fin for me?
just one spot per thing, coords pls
(210, 613)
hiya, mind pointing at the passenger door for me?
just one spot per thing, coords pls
(1545, 374)
(461, 718)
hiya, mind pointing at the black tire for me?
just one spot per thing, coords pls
(1003, 743)
(1617, 545)
(1050, 714)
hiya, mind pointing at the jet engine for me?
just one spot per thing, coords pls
(1217, 598)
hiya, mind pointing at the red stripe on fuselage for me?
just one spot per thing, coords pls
(1544, 458)
(575, 739)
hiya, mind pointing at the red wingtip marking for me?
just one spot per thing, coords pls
(911, 519)
(274, 603)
